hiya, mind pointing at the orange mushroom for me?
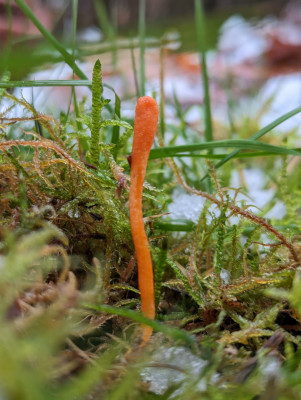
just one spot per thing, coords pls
(145, 125)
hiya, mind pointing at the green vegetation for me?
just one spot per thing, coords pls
(227, 286)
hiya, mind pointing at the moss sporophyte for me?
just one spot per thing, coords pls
(145, 125)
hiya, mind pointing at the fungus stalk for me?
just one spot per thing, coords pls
(145, 126)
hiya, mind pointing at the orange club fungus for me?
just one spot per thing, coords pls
(145, 125)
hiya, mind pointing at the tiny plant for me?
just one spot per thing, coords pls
(97, 105)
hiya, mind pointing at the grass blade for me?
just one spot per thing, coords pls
(134, 71)
(107, 28)
(180, 115)
(172, 151)
(162, 94)
(174, 333)
(68, 58)
(116, 128)
(221, 156)
(74, 27)
(258, 135)
(175, 225)
(104, 20)
(200, 30)
(14, 84)
(142, 6)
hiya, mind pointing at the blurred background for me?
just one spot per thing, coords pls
(249, 44)
(160, 15)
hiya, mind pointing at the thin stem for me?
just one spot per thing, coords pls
(107, 27)
(162, 94)
(135, 71)
(200, 28)
(14, 84)
(142, 7)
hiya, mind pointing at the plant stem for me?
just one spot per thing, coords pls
(142, 7)
(200, 28)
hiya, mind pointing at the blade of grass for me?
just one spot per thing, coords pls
(200, 30)
(162, 94)
(179, 114)
(175, 226)
(135, 71)
(107, 28)
(116, 128)
(6, 51)
(221, 156)
(258, 135)
(174, 333)
(142, 7)
(42, 83)
(104, 20)
(9, 19)
(263, 131)
(172, 151)
(68, 58)
(14, 84)
(74, 27)
(124, 44)
(189, 226)
(82, 143)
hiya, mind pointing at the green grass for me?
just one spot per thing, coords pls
(228, 291)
